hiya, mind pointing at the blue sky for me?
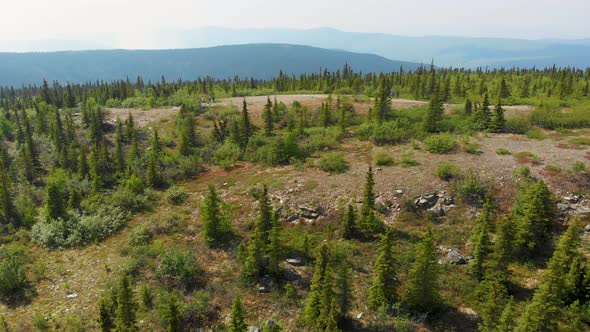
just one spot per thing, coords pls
(135, 23)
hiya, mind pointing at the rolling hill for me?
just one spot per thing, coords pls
(444, 50)
(261, 61)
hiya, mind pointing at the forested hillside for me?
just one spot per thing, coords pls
(257, 61)
(430, 200)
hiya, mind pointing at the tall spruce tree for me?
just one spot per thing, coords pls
(498, 122)
(368, 221)
(313, 305)
(532, 214)
(423, 290)
(237, 321)
(481, 237)
(383, 291)
(268, 117)
(433, 114)
(215, 220)
(348, 223)
(542, 313)
(125, 314)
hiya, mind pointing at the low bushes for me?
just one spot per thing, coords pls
(446, 171)
(227, 155)
(175, 195)
(77, 229)
(333, 163)
(179, 268)
(13, 279)
(383, 159)
(471, 189)
(441, 143)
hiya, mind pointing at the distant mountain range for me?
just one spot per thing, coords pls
(444, 51)
(261, 61)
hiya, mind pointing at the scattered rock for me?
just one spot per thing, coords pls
(253, 329)
(469, 312)
(266, 284)
(453, 256)
(294, 261)
(72, 295)
(291, 275)
(574, 204)
(562, 207)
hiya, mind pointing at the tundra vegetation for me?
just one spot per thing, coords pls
(116, 215)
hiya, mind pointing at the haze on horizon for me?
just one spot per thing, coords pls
(37, 25)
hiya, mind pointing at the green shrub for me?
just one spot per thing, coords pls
(535, 133)
(440, 143)
(176, 195)
(579, 167)
(471, 189)
(140, 235)
(77, 229)
(446, 171)
(227, 155)
(407, 159)
(333, 163)
(552, 169)
(13, 278)
(470, 147)
(40, 322)
(580, 141)
(503, 152)
(553, 117)
(517, 125)
(179, 268)
(321, 139)
(390, 132)
(383, 159)
(523, 172)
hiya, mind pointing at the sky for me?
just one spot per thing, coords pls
(33, 24)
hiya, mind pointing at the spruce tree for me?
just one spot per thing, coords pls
(369, 222)
(433, 114)
(119, 162)
(172, 315)
(253, 262)
(498, 122)
(215, 220)
(423, 290)
(267, 117)
(105, 320)
(246, 128)
(153, 176)
(274, 247)
(313, 305)
(264, 221)
(468, 107)
(344, 291)
(532, 214)
(125, 314)
(325, 117)
(504, 90)
(486, 114)
(83, 168)
(543, 312)
(54, 203)
(481, 238)
(8, 212)
(348, 223)
(383, 291)
(507, 319)
(237, 322)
